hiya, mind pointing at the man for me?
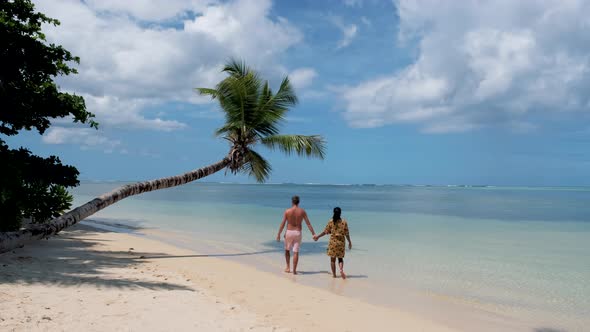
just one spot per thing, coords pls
(293, 217)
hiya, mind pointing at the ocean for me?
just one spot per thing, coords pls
(478, 258)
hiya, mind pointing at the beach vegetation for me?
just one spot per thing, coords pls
(33, 187)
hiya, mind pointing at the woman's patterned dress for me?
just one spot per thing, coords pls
(338, 232)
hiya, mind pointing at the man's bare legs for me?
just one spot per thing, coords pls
(333, 265)
(295, 261)
(288, 260)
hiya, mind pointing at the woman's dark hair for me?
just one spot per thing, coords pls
(337, 213)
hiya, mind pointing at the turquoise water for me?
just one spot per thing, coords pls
(510, 258)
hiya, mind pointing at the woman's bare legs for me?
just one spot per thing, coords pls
(341, 265)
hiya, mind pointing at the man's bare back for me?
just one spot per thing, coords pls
(294, 216)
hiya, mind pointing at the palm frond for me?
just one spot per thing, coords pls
(257, 166)
(238, 97)
(309, 146)
(261, 127)
(283, 99)
(226, 129)
(286, 93)
(236, 67)
(272, 108)
(207, 92)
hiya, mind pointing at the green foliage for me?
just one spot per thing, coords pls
(31, 186)
(253, 115)
(34, 187)
(52, 203)
(310, 146)
(28, 95)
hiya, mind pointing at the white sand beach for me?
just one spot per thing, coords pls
(87, 279)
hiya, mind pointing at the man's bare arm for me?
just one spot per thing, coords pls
(308, 223)
(282, 226)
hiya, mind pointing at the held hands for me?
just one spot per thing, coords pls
(315, 238)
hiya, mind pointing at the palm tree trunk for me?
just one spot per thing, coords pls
(11, 240)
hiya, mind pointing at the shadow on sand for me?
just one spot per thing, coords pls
(74, 259)
(206, 255)
(328, 273)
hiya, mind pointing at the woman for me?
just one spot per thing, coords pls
(338, 230)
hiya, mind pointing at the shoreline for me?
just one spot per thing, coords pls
(96, 279)
(452, 310)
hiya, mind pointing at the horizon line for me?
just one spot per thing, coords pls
(363, 184)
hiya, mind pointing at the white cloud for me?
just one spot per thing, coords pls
(150, 10)
(366, 21)
(243, 28)
(480, 63)
(296, 119)
(87, 138)
(349, 31)
(302, 77)
(148, 153)
(140, 53)
(348, 34)
(315, 94)
(125, 113)
(353, 3)
(208, 114)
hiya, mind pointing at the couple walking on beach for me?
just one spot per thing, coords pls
(336, 227)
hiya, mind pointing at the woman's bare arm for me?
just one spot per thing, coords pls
(347, 233)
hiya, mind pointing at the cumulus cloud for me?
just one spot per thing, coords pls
(480, 63)
(302, 77)
(150, 10)
(87, 138)
(349, 31)
(141, 53)
(121, 112)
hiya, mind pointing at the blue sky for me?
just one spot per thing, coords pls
(405, 91)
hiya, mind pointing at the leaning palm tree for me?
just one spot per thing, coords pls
(253, 115)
